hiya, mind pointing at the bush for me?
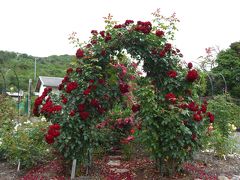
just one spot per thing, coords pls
(25, 143)
(227, 115)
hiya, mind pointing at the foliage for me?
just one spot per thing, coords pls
(7, 114)
(227, 115)
(23, 65)
(229, 66)
(103, 78)
(25, 143)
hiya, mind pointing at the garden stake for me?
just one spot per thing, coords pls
(73, 169)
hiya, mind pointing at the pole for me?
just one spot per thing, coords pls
(29, 97)
(35, 69)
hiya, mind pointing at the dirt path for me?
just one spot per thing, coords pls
(7, 172)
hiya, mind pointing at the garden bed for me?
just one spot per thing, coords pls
(205, 165)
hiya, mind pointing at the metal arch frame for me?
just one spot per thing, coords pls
(209, 77)
(4, 81)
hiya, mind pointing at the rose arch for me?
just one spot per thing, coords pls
(164, 104)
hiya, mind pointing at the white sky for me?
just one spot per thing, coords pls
(42, 27)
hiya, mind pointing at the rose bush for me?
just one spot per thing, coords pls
(167, 111)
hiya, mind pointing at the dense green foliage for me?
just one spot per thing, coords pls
(23, 65)
(227, 115)
(229, 66)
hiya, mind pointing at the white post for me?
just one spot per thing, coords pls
(29, 97)
(19, 163)
(73, 169)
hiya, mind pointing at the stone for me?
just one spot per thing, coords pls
(222, 177)
(115, 157)
(116, 170)
(114, 163)
(235, 177)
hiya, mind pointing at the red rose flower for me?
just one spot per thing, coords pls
(108, 37)
(162, 54)
(69, 70)
(94, 102)
(159, 33)
(91, 80)
(197, 117)
(103, 52)
(79, 70)
(190, 65)
(135, 107)
(211, 117)
(71, 86)
(94, 32)
(81, 107)
(132, 131)
(49, 139)
(87, 91)
(57, 126)
(118, 26)
(79, 53)
(192, 106)
(127, 22)
(192, 75)
(101, 110)
(102, 33)
(172, 74)
(170, 97)
(124, 88)
(72, 113)
(167, 47)
(84, 115)
(203, 108)
(101, 81)
(194, 137)
(94, 41)
(64, 100)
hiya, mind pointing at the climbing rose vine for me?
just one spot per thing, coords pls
(164, 103)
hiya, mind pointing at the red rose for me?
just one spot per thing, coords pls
(101, 81)
(172, 74)
(162, 54)
(87, 91)
(192, 75)
(211, 117)
(64, 100)
(79, 70)
(69, 70)
(101, 110)
(49, 139)
(72, 113)
(108, 37)
(57, 126)
(167, 47)
(127, 22)
(102, 33)
(94, 32)
(135, 108)
(197, 117)
(79, 53)
(159, 33)
(94, 41)
(192, 106)
(91, 80)
(84, 115)
(71, 86)
(132, 131)
(170, 97)
(103, 52)
(203, 108)
(118, 26)
(194, 137)
(190, 65)
(81, 107)
(123, 88)
(94, 102)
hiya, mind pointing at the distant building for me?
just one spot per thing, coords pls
(45, 81)
(16, 95)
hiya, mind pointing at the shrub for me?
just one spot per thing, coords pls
(227, 115)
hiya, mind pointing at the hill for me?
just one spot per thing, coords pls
(23, 65)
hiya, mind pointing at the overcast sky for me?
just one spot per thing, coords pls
(42, 27)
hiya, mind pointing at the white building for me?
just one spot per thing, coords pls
(45, 81)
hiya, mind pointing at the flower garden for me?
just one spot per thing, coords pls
(128, 98)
